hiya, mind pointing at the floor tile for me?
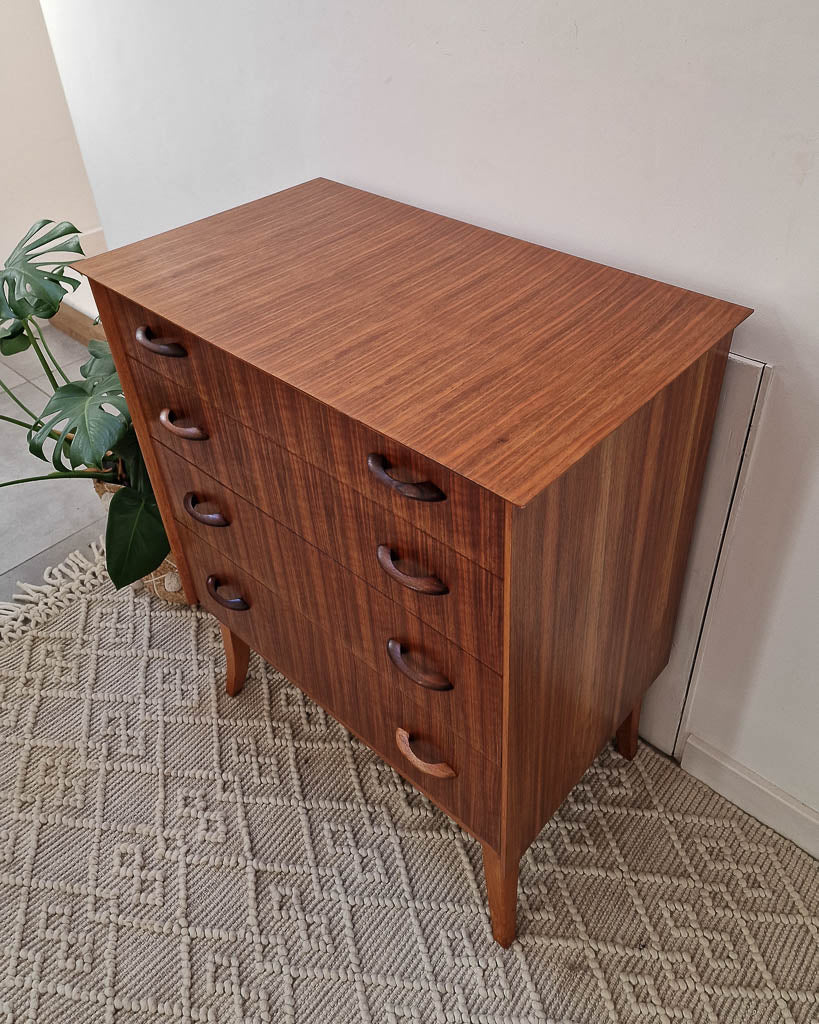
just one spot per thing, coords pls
(30, 395)
(64, 349)
(9, 377)
(72, 370)
(31, 571)
(34, 516)
(25, 364)
(40, 522)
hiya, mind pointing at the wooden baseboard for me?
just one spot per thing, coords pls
(760, 798)
(76, 324)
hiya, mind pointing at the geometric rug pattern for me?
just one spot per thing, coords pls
(168, 853)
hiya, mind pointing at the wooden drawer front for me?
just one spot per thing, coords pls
(362, 699)
(470, 520)
(329, 515)
(361, 618)
(472, 796)
(193, 354)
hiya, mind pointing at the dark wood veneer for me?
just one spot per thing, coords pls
(470, 520)
(237, 659)
(114, 329)
(594, 576)
(332, 517)
(444, 479)
(363, 700)
(500, 359)
(363, 620)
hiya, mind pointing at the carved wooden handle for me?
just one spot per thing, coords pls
(167, 417)
(429, 680)
(421, 491)
(145, 338)
(235, 604)
(190, 501)
(423, 584)
(440, 769)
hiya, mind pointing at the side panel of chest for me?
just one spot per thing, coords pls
(594, 572)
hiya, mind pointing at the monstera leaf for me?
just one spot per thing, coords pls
(12, 330)
(100, 363)
(87, 429)
(13, 338)
(135, 539)
(87, 420)
(35, 276)
(127, 450)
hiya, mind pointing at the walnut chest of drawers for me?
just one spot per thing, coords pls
(443, 479)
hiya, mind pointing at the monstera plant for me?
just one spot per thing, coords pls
(85, 429)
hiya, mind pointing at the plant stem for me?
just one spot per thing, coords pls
(25, 408)
(50, 354)
(11, 419)
(43, 361)
(53, 434)
(77, 475)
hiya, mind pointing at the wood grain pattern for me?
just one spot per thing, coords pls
(436, 769)
(431, 586)
(429, 679)
(594, 580)
(330, 516)
(114, 328)
(625, 739)
(470, 520)
(237, 657)
(557, 415)
(357, 617)
(502, 894)
(404, 321)
(328, 672)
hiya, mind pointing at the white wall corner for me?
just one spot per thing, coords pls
(688, 722)
(664, 703)
(755, 795)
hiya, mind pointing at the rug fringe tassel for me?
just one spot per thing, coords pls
(74, 576)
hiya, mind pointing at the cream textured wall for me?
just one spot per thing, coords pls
(673, 139)
(41, 170)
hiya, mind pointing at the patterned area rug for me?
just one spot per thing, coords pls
(167, 853)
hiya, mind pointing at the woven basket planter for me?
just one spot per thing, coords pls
(164, 581)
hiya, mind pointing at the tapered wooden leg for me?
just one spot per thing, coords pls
(626, 738)
(237, 655)
(502, 890)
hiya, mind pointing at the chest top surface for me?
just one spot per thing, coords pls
(498, 358)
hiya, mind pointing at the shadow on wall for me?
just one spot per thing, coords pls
(773, 498)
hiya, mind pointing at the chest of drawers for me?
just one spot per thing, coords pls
(445, 480)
